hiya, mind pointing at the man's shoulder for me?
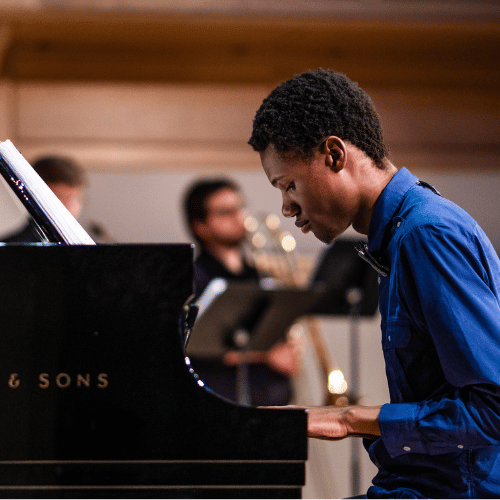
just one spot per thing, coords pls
(205, 260)
(423, 207)
(26, 234)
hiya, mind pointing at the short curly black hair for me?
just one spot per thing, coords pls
(301, 112)
(54, 169)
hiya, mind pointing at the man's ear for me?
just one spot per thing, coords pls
(335, 153)
(200, 229)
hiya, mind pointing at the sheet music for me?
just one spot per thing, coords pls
(72, 232)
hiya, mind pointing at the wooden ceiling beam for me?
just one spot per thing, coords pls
(246, 63)
(5, 41)
(69, 45)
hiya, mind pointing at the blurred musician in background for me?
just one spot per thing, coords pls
(66, 178)
(320, 142)
(215, 216)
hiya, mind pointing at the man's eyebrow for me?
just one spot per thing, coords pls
(276, 180)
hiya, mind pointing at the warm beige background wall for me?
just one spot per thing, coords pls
(138, 127)
(136, 140)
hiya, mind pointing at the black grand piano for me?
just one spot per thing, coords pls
(97, 396)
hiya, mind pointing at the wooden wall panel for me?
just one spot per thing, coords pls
(137, 112)
(160, 127)
(7, 107)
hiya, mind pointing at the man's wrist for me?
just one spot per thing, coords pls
(362, 420)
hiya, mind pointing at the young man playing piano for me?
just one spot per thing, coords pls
(320, 143)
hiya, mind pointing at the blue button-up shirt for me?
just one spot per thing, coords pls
(440, 310)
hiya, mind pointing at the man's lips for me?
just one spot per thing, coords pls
(302, 225)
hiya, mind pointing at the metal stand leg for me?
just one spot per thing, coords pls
(241, 339)
(354, 297)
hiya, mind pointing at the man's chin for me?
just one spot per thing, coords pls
(235, 243)
(323, 238)
(326, 238)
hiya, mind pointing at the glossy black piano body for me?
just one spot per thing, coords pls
(97, 398)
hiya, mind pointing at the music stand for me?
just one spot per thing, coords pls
(338, 271)
(245, 317)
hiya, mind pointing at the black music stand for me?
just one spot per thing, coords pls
(245, 317)
(340, 271)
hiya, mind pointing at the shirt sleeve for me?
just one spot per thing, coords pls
(448, 282)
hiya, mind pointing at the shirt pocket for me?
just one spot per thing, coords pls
(397, 334)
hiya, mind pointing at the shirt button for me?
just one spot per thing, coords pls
(460, 446)
(389, 338)
(406, 448)
(398, 223)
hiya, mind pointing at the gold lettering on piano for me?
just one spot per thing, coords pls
(14, 381)
(81, 380)
(103, 380)
(44, 380)
(63, 380)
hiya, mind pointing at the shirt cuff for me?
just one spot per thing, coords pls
(398, 429)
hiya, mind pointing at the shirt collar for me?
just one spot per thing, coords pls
(386, 206)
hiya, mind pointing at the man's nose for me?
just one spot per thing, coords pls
(289, 208)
